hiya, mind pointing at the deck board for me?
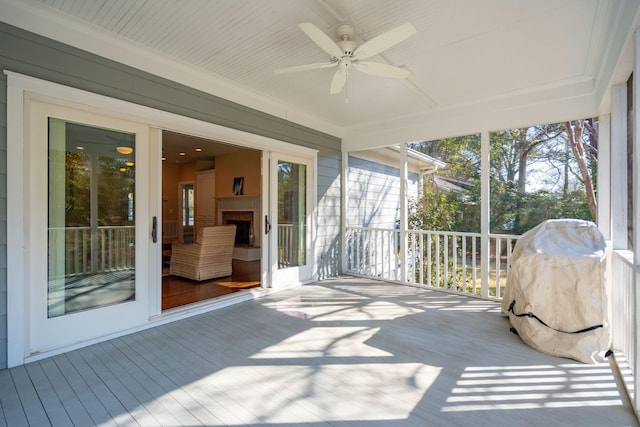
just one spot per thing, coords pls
(347, 352)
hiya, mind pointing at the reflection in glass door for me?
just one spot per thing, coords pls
(292, 214)
(291, 208)
(91, 226)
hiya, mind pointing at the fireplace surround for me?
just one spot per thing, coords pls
(243, 211)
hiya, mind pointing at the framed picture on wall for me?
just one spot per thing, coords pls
(238, 184)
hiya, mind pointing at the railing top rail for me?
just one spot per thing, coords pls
(504, 236)
(441, 233)
(624, 256)
(100, 227)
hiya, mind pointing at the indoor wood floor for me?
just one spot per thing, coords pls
(178, 291)
(341, 353)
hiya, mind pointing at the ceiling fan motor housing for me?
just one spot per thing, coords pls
(348, 47)
(345, 31)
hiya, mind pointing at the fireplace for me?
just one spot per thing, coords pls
(244, 212)
(243, 220)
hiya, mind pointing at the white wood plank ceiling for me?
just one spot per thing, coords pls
(468, 56)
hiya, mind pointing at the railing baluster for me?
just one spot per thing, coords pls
(447, 260)
(429, 263)
(454, 264)
(421, 258)
(498, 266)
(474, 264)
(464, 263)
(437, 261)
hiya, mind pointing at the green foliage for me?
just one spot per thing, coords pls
(533, 177)
(434, 211)
(515, 212)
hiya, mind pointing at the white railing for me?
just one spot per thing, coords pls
(625, 316)
(445, 260)
(106, 248)
(291, 245)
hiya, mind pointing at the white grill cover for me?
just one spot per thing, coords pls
(557, 273)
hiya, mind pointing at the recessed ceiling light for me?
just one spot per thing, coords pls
(79, 147)
(164, 158)
(182, 153)
(198, 150)
(124, 150)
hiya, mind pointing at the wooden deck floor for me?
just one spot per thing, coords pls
(347, 352)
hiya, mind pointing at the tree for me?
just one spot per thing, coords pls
(577, 132)
(514, 150)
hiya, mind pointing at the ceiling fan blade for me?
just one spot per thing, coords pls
(306, 67)
(338, 81)
(384, 41)
(382, 70)
(321, 39)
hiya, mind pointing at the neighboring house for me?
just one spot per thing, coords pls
(374, 201)
(64, 79)
(374, 185)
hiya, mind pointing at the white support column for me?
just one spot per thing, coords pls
(404, 217)
(604, 175)
(635, 153)
(344, 178)
(619, 173)
(485, 248)
(635, 218)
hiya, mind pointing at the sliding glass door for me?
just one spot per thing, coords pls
(291, 207)
(90, 242)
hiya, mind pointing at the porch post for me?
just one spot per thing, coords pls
(485, 249)
(635, 163)
(604, 175)
(344, 178)
(635, 213)
(619, 174)
(404, 218)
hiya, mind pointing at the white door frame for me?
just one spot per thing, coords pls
(292, 276)
(21, 88)
(46, 333)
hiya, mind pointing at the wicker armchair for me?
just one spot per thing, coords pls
(209, 257)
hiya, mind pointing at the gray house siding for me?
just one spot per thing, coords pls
(33, 55)
(374, 193)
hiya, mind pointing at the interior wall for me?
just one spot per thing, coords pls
(242, 163)
(170, 180)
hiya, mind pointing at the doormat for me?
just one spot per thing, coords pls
(239, 285)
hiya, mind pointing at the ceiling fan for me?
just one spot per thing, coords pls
(346, 54)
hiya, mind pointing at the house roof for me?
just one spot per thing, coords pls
(417, 162)
(475, 64)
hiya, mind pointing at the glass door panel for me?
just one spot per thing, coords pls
(291, 208)
(90, 212)
(91, 227)
(292, 214)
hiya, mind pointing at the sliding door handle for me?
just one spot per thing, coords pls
(267, 225)
(154, 229)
